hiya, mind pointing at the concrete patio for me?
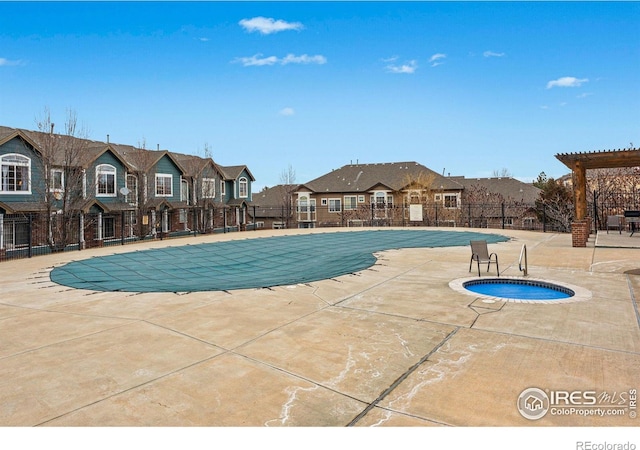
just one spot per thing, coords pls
(392, 345)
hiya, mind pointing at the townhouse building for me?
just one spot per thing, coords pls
(60, 192)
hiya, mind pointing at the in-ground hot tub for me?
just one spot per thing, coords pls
(523, 290)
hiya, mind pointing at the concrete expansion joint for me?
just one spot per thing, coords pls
(402, 377)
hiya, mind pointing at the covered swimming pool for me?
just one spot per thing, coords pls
(250, 263)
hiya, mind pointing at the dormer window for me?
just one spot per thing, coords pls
(243, 188)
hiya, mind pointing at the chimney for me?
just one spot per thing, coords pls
(107, 138)
(52, 125)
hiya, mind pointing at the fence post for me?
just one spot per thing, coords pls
(122, 225)
(30, 227)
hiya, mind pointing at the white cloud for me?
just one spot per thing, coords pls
(287, 111)
(584, 95)
(566, 82)
(436, 59)
(258, 60)
(409, 67)
(204, 39)
(303, 59)
(490, 54)
(8, 62)
(264, 25)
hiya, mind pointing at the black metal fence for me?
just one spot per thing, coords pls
(517, 216)
(608, 203)
(32, 234)
(27, 235)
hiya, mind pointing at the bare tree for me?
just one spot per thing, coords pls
(502, 173)
(141, 186)
(287, 187)
(555, 203)
(62, 163)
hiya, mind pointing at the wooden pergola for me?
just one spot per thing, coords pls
(580, 162)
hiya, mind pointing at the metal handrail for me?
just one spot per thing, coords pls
(526, 267)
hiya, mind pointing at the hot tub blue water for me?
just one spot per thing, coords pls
(518, 289)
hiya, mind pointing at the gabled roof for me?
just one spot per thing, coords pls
(507, 187)
(88, 150)
(364, 177)
(234, 172)
(194, 165)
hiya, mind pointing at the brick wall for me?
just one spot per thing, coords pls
(580, 232)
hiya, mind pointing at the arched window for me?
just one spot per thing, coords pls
(15, 174)
(105, 180)
(243, 186)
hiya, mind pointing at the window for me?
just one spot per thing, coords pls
(334, 205)
(132, 185)
(57, 180)
(390, 201)
(323, 202)
(184, 191)
(106, 180)
(350, 202)
(108, 228)
(450, 200)
(15, 173)
(379, 199)
(222, 188)
(208, 187)
(15, 234)
(164, 185)
(360, 198)
(243, 186)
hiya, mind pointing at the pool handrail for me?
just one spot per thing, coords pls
(526, 267)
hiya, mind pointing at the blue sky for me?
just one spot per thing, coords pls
(464, 88)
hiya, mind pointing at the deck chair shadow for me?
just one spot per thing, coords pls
(480, 254)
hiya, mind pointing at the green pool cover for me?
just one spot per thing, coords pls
(250, 263)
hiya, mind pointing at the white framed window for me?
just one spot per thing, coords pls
(379, 199)
(15, 174)
(323, 202)
(164, 185)
(335, 205)
(222, 188)
(57, 180)
(451, 200)
(243, 187)
(390, 201)
(350, 202)
(437, 197)
(360, 198)
(105, 180)
(208, 187)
